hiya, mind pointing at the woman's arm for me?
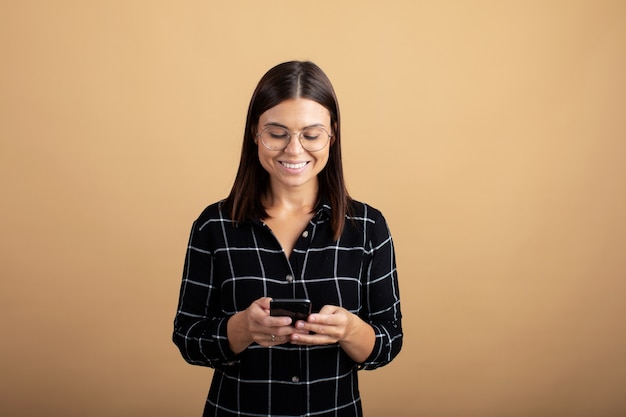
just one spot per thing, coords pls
(382, 295)
(200, 327)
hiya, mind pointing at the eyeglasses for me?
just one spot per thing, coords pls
(312, 139)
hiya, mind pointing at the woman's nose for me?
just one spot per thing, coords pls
(294, 146)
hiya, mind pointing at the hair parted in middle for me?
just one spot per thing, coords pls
(289, 80)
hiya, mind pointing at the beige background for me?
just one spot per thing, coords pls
(492, 134)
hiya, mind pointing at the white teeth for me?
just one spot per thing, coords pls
(294, 166)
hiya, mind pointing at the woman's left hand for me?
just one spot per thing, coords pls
(330, 325)
(335, 324)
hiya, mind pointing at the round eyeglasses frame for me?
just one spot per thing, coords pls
(290, 134)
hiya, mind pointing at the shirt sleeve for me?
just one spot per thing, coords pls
(200, 331)
(382, 295)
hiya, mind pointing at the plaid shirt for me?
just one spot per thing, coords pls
(228, 266)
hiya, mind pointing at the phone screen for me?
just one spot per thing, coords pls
(297, 309)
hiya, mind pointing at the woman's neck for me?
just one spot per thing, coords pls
(291, 199)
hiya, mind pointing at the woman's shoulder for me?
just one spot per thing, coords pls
(364, 211)
(213, 213)
(368, 221)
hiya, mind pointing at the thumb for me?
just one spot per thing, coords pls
(264, 302)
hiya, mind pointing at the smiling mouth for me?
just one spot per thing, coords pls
(294, 166)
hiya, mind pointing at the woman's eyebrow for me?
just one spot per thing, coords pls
(274, 124)
(282, 125)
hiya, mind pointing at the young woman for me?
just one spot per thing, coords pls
(289, 230)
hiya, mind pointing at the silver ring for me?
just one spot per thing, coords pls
(273, 337)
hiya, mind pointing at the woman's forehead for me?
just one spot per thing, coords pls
(295, 113)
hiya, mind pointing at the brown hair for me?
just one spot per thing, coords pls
(289, 80)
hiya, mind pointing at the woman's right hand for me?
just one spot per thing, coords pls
(255, 325)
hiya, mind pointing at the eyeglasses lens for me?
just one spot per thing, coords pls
(277, 138)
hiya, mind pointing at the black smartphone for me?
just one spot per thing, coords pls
(297, 309)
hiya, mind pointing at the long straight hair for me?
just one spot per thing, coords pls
(289, 80)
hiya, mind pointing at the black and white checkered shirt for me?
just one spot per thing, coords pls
(228, 266)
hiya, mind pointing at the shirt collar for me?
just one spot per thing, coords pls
(323, 210)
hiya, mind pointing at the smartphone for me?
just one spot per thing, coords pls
(297, 309)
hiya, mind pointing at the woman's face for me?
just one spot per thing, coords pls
(294, 167)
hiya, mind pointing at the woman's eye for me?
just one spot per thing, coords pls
(278, 134)
(311, 134)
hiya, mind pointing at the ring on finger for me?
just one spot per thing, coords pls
(273, 337)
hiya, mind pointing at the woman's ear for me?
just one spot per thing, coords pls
(255, 138)
(332, 138)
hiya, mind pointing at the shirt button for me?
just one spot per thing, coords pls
(305, 233)
(295, 379)
(289, 278)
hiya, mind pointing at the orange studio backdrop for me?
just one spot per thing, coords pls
(490, 133)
